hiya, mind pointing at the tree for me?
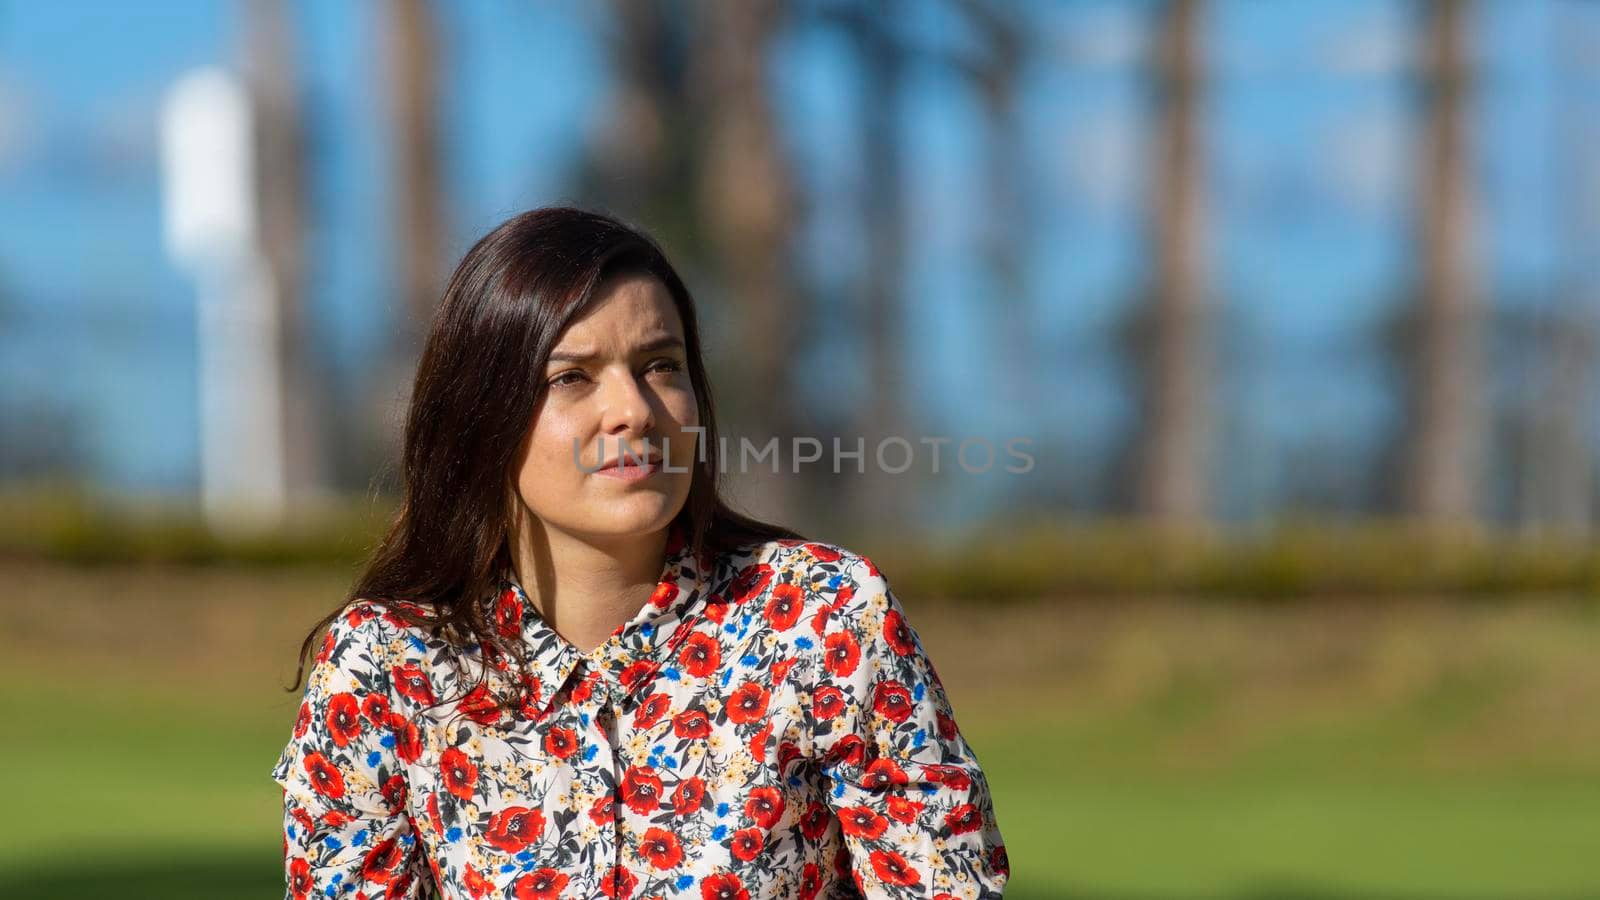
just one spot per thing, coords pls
(1443, 463)
(1172, 472)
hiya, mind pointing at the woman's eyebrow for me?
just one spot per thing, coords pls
(662, 342)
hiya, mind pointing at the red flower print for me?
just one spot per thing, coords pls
(841, 653)
(814, 821)
(303, 817)
(302, 721)
(758, 742)
(892, 701)
(746, 843)
(701, 655)
(780, 670)
(641, 789)
(561, 742)
(750, 582)
(618, 883)
(543, 884)
(508, 614)
(479, 706)
(883, 774)
(892, 868)
(376, 708)
(747, 703)
(460, 775)
(823, 553)
(949, 776)
(810, 881)
(512, 829)
(344, 718)
(787, 754)
(783, 609)
(394, 793)
(531, 704)
(723, 886)
(826, 702)
(582, 690)
(765, 806)
(358, 615)
(903, 810)
(849, 750)
(407, 739)
(963, 819)
(410, 681)
(634, 675)
(897, 633)
(335, 819)
(999, 861)
(661, 848)
(382, 861)
(664, 594)
(328, 643)
(299, 878)
(434, 818)
(476, 883)
(602, 811)
(651, 710)
(325, 775)
(947, 726)
(689, 795)
(861, 822)
(691, 723)
(716, 608)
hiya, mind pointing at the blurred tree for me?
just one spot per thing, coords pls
(410, 77)
(691, 151)
(1444, 456)
(747, 198)
(882, 57)
(271, 70)
(995, 71)
(1557, 487)
(1171, 483)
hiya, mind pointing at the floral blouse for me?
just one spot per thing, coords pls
(767, 725)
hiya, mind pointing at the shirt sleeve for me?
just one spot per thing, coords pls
(913, 805)
(346, 832)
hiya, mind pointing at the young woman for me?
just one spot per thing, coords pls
(570, 670)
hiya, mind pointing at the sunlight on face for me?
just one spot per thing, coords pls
(618, 380)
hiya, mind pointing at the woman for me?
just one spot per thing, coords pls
(570, 670)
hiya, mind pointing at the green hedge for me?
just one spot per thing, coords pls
(1017, 560)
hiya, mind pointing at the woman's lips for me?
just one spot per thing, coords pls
(630, 472)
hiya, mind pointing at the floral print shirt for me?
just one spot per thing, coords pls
(767, 725)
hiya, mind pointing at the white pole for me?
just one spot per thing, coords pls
(210, 230)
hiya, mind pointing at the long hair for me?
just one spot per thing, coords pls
(478, 382)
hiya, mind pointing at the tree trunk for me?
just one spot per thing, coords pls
(1444, 459)
(1172, 487)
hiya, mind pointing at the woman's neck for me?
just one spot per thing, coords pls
(585, 588)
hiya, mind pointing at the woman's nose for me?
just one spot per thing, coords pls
(625, 406)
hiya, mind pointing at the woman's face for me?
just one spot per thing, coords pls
(617, 381)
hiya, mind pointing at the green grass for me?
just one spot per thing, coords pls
(1136, 749)
(169, 793)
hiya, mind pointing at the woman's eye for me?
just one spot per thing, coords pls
(666, 365)
(562, 379)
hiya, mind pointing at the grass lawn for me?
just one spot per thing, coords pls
(1143, 751)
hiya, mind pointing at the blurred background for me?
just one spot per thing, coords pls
(1293, 304)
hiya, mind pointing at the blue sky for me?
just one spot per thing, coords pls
(1309, 126)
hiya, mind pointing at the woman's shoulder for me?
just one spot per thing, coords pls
(821, 567)
(377, 634)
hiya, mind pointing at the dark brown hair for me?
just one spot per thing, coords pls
(478, 382)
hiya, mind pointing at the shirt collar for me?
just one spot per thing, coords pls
(629, 658)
